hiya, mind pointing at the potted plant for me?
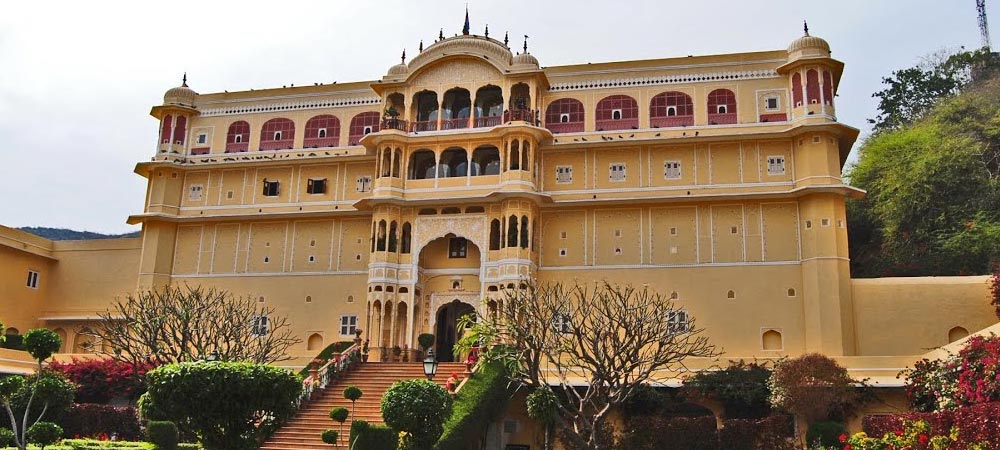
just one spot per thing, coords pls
(396, 351)
(357, 335)
(364, 351)
(425, 341)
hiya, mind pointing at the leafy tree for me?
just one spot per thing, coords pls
(44, 434)
(339, 415)
(741, 388)
(330, 436)
(419, 408)
(617, 338)
(353, 393)
(177, 324)
(31, 398)
(228, 405)
(815, 388)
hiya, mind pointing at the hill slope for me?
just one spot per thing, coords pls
(64, 234)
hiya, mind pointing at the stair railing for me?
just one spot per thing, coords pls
(321, 378)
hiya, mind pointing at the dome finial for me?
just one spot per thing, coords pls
(805, 27)
(184, 80)
(465, 28)
(421, 45)
(402, 59)
(505, 39)
(487, 34)
(526, 43)
(441, 35)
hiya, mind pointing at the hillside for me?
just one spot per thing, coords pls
(63, 234)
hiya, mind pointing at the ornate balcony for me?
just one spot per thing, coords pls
(671, 121)
(722, 119)
(393, 123)
(489, 121)
(525, 115)
(454, 124)
(237, 147)
(425, 125)
(282, 144)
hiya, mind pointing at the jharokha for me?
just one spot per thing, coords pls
(398, 204)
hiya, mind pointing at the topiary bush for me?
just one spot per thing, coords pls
(418, 407)
(372, 437)
(425, 340)
(44, 433)
(228, 405)
(330, 436)
(41, 343)
(339, 414)
(85, 419)
(825, 434)
(163, 434)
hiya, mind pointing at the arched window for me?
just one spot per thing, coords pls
(957, 333)
(564, 116)
(489, 106)
(374, 233)
(797, 89)
(827, 88)
(238, 137)
(812, 87)
(386, 162)
(405, 241)
(495, 234)
(380, 242)
(427, 111)
(671, 109)
(515, 155)
(421, 165)
(454, 163)
(315, 342)
(361, 125)
(525, 155)
(617, 112)
(396, 162)
(180, 130)
(771, 340)
(524, 232)
(392, 236)
(512, 231)
(485, 161)
(165, 129)
(322, 131)
(277, 134)
(721, 107)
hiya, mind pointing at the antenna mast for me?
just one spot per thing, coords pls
(984, 28)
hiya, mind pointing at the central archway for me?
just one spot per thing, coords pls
(447, 332)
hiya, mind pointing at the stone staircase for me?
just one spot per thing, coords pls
(302, 432)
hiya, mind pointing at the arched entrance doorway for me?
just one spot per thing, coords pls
(447, 328)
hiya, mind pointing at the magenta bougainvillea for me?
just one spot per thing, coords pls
(100, 380)
(969, 378)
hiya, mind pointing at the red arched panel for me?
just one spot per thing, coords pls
(362, 124)
(671, 109)
(828, 88)
(277, 134)
(797, 89)
(564, 116)
(168, 121)
(721, 107)
(812, 87)
(238, 137)
(180, 130)
(617, 112)
(322, 131)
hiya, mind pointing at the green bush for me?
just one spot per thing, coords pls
(162, 433)
(339, 414)
(426, 340)
(228, 405)
(6, 437)
(481, 401)
(353, 393)
(44, 433)
(41, 343)
(330, 436)
(826, 433)
(372, 437)
(418, 407)
(13, 342)
(741, 387)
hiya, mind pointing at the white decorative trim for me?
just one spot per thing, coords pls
(665, 79)
(291, 106)
(665, 266)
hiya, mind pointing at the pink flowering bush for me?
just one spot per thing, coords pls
(969, 378)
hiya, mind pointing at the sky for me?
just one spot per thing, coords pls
(77, 79)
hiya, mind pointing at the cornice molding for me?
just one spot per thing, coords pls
(665, 79)
(291, 106)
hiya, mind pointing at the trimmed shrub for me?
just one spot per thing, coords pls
(339, 414)
(44, 433)
(41, 343)
(481, 401)
(425, 340)
(741, 387)
(100, 380)
(670, 433)
(418, 407)
(162, 433)
(13, 342)
(372, 437)
(330, 436)
(814, 387)
(86, 419)
(6, 437)
(827, 434)
(353, 393)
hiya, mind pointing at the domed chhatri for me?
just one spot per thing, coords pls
(808, 46)
(525, 59)
(401, 68)
(181, 95)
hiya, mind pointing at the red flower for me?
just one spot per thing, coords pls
(843, 438)
(898, 432)
(922, 438)
(847, 447)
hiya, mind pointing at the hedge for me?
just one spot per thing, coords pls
(481, 401)
(772, 433)
(976, 423)
(87, 419)
(655, 432)
(373, 437)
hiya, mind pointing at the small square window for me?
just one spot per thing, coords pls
(776, 165)
(771, 103)
(271, 188)
(458, 248)
(809, 224)
(368, 130)
(364, 183)
(259, 326)
(312, 258)
(816, 140)
(677, 321)
(564, 118)
(562, 252)
(238, 138)
(277, 135)
(673, 231)
(32, 279)
(618, 232)
(229, 195)
(564, 174)
(316, 186)
(562, 235)
(671, 111)
(561, 323)
(722, 109)
(734, 230)
(672, 170)
(357, 257)
(202, 138)
(194, 194)
(824, 222)
(348, 325)
(617, 172)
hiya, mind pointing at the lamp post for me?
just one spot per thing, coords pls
(430, 364)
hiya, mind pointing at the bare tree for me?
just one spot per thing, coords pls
(594, 346)
(184, 323)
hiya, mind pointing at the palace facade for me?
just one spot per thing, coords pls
(398, 204)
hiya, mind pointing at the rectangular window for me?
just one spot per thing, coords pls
(617, 172)
(271, 188)
(564, 174)
(561, 323)
(776, 165)
(32, 279)
(316, 186)
(677, 321)
(259, 327)
(202, 138)
(364, 183)
(348, 324)
(195, 193)
(672, 170)
(458, 248)
(771, 103)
